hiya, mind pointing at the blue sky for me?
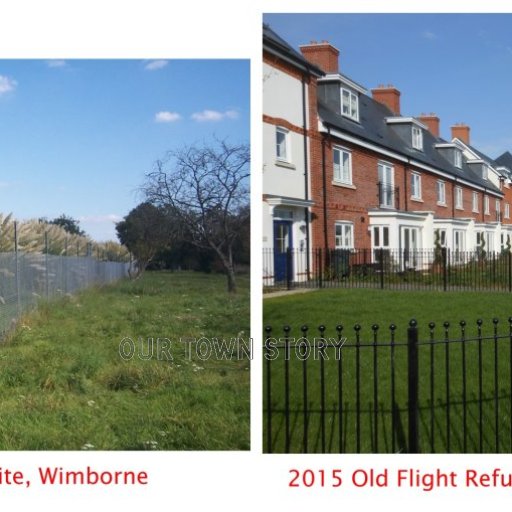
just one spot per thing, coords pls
(77, 136)
(456, 65)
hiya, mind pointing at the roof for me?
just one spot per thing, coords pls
(505, 160)
(278, 46)
(372, 127)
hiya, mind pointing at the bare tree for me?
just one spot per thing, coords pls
(207, 188)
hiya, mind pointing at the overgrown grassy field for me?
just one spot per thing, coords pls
(444, 379)
(65, 386)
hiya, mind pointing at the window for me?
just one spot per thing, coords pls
(349, 104)
(485, 172)
(486, 205)
(417, 138)
(282, 145)
(440, 237)
(342, 162)
(458, 158)
(380, 236)
(498, 208)
(475, 202)
(458, 198)
(344, 235)
(386, 189)
(441, 192)
(507, 211)
(415, 186)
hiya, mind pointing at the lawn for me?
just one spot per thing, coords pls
(65, 386)
(464, 387)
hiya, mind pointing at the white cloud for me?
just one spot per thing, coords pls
(167, 117)
(7, 84)
(156, 64)
(214, 115)
(427, 34)
(56, 63)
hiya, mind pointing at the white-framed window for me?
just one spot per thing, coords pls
(459, 240)
(386, 185)
(342, 166)
(485, 172)
(417, 138)
(349, 104)
(507, 211)
(441, 192)
(282, 144)
(344, 235)
(458, 158)
(475, 202)
(415, 185)
(440, 237)
(486, 205)
(498, 206)
(489, 241)
(380, 237)
(459, 200)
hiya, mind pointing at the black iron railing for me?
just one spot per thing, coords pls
(370, 390)
(440, 269)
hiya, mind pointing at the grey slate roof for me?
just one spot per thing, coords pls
(374, 129)
(505, 160)
(275, 44)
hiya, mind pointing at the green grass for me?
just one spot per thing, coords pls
(381, 308)
(64, 385)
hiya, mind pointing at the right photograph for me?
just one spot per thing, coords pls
(387, 251)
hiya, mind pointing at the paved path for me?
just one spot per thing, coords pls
(283, 293)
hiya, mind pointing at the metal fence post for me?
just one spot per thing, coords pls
(289, 270)
(381, 261)
(412, 381)
(444, 253)
(509, 259)
(46, 263)
(320, 268)
(18, 287)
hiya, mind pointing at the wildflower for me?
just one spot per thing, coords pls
(151, 445)
(91, 403)
(87, 446)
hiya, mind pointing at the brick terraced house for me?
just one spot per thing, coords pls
(367, 176)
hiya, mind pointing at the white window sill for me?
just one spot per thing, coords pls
(475, 211)
(459, 208)
(282, 163)
(442, 204)
(344, 185)
(417, 199)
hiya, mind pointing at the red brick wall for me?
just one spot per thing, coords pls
(352, 204)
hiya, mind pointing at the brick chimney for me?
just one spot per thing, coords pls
(461, 131)
(388, 95)
(323, 54)
(432, 122)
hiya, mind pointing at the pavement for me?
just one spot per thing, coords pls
(283, 293)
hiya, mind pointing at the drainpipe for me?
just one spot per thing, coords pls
(306, 173)
(406, 206)
(324, 187)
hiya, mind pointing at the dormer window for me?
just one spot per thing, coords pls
(417, 138)
(485, 172)
(458, 158)
(349, 104)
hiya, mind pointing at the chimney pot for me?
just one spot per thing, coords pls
(324, 55)
(461, 131)
(389, 96)
(432, 123)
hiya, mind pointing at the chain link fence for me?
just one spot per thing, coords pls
(26, 278)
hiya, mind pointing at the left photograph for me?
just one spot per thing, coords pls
(124, 255)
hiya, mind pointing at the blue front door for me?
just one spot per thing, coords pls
(282, 242)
